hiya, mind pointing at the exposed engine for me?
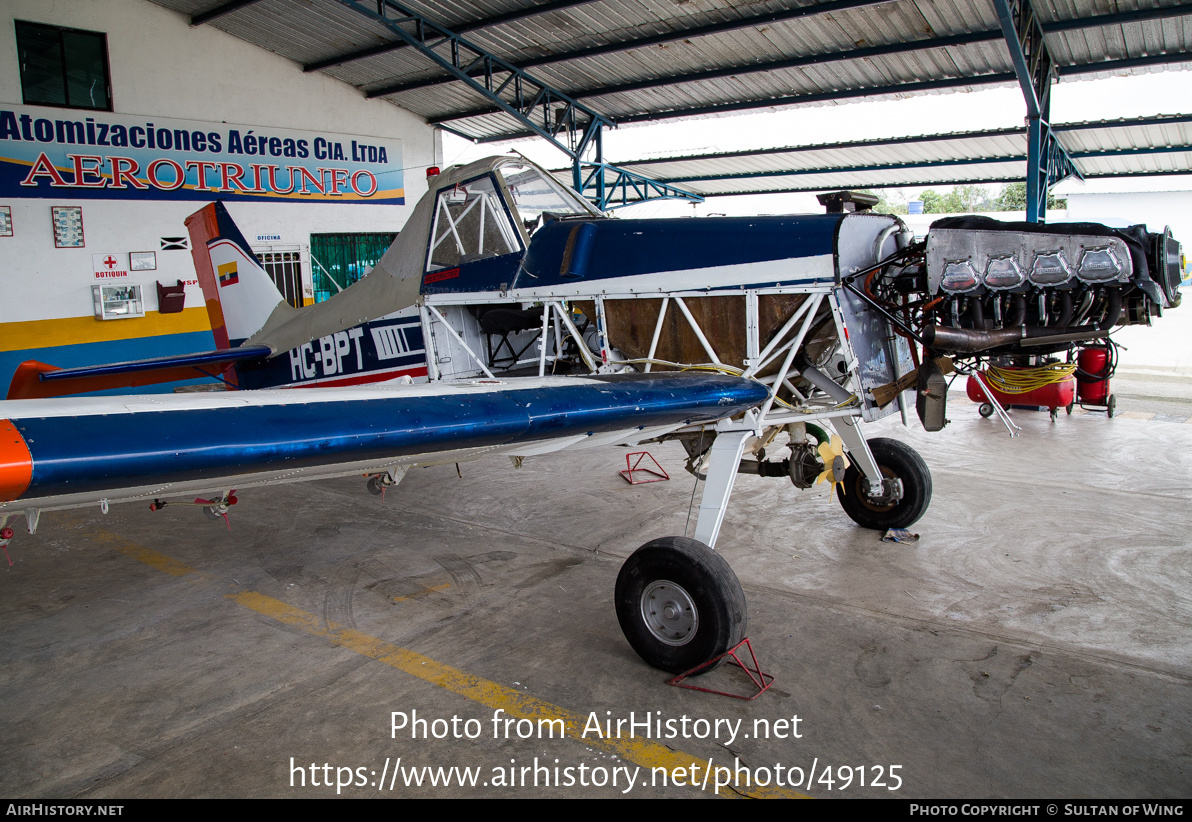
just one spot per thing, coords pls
(979, 286)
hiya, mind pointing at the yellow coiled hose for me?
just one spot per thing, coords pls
(1022, 380)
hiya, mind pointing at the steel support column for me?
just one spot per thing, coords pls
(1047, 161)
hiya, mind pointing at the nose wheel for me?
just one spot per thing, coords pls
(896, 460)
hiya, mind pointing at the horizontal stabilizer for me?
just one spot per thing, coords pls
(35, 380)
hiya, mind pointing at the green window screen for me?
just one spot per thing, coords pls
(338, 260)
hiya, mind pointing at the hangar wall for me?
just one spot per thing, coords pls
(1156, 208)
(180, 84)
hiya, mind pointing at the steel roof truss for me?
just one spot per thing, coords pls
(930, 164)
(798, 99)
(626, 188)
(665, 37)
(749, 175)
(429, 38)
(758, 68)
(474, 25)
(1117, 18)
(955, 136)
(805, 11)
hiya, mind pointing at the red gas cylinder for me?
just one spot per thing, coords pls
(1093, 360)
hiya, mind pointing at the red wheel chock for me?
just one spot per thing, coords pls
(632, 468)
(761, 681)
(6, 534)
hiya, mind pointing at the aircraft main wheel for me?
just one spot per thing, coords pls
(985, 409)
(895, 459)
(679, 604)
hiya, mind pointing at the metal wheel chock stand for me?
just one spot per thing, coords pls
(634, 468)
(762, 681)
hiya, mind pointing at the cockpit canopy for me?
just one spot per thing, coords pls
(495, 213)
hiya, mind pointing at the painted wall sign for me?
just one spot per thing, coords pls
(51, 152)
(109, 266)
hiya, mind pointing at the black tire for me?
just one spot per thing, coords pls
(1069, 408)
(1111, 405)
(895, 459)
(709, 605)
(985, 409)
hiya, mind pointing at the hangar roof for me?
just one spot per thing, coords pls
(1108, 148)
(638, 60)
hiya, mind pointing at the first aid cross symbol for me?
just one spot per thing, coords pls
(109, 261)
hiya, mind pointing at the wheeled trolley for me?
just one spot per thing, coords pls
(1055, 389)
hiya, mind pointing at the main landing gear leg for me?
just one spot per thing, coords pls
(722, 473)
(678, 601)
(849, 429)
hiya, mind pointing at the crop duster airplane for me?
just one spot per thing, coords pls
(744, 339)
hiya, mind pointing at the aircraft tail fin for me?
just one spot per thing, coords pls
(238, 292)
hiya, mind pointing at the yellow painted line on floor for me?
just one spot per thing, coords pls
(140, 553)
(77, 330)
(517, 705)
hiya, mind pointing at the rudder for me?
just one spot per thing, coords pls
(239, 294)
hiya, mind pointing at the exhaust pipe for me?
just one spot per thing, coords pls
(971, 341)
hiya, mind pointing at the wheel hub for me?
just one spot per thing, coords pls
(839, 466)
(669, 613)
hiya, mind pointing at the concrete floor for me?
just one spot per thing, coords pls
(1036, 642)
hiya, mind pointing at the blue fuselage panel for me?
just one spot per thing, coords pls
(569, 251)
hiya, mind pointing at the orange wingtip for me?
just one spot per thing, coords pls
(16, 463)
(26, 381)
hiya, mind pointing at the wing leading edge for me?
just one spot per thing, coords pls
(63, 453)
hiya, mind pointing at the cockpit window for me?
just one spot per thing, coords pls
(535, 193)
(470, 224)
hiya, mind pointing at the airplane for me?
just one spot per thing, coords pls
(791, 325)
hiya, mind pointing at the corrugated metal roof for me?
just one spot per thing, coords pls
(593, 49)
(1155, 145)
